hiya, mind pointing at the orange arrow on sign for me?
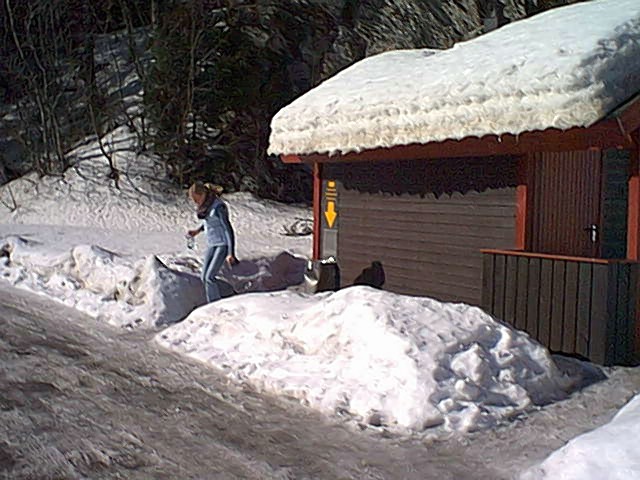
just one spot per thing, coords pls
(331, 214)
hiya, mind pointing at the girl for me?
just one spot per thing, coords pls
(220, 236)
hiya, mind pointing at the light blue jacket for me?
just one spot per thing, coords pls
(217, 227)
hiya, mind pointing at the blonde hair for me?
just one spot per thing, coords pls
(202, 188)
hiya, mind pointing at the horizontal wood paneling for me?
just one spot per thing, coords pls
(461, 273)
(426, 222)
(412, 248)
(362, 218)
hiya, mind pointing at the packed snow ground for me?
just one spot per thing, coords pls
(567, 67)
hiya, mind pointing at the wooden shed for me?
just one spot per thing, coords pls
(525, 202)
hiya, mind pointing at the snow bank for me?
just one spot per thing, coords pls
(129, 291)
(266, 274)
(404, 362)
(102, 283)
(564, 68)
(611, 451)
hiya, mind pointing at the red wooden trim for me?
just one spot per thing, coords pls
(317, 209)
(604, 134)
(633, 210)
(633, 225)
(522, 203)
(548, 256)
(290, 159)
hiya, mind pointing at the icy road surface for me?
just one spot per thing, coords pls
(79, 399)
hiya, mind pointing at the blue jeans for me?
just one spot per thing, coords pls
(213, 260)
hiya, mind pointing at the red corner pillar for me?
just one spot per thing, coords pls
(633, 220)
(633, 226)
(317, 209)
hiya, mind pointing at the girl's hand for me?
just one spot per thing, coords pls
(193, 233)
(232, 260)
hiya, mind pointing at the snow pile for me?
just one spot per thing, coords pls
(129, 291)
(611, 451)
(166, 296)
(561, 69)
(265, 274)
(408, 363)
(102, 283)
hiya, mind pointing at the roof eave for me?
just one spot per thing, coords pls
(613, 132)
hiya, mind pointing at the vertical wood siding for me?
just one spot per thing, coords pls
(582, 307)
(426, 222)
(565, 189)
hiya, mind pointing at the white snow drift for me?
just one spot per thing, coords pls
(404, 362)
(102, 283)
(564, 68)
(610, 452)
(129, 291)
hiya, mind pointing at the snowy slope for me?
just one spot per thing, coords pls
(610, 452)
(408, 363)
(144, 201)
(564, 68)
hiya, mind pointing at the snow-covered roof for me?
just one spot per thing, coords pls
(564, 68)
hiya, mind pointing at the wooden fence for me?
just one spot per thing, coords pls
(572, 305)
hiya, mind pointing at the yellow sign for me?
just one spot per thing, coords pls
(331, 214)
(331, 194)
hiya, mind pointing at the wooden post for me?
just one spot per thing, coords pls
(633, 211)
(633, 232)
(522, 202)
(317, 209)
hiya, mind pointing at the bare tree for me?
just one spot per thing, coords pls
(50, 50)
(178, 88)
(141, 67)
(41, 41)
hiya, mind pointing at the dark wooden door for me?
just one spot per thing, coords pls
(565, 203)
